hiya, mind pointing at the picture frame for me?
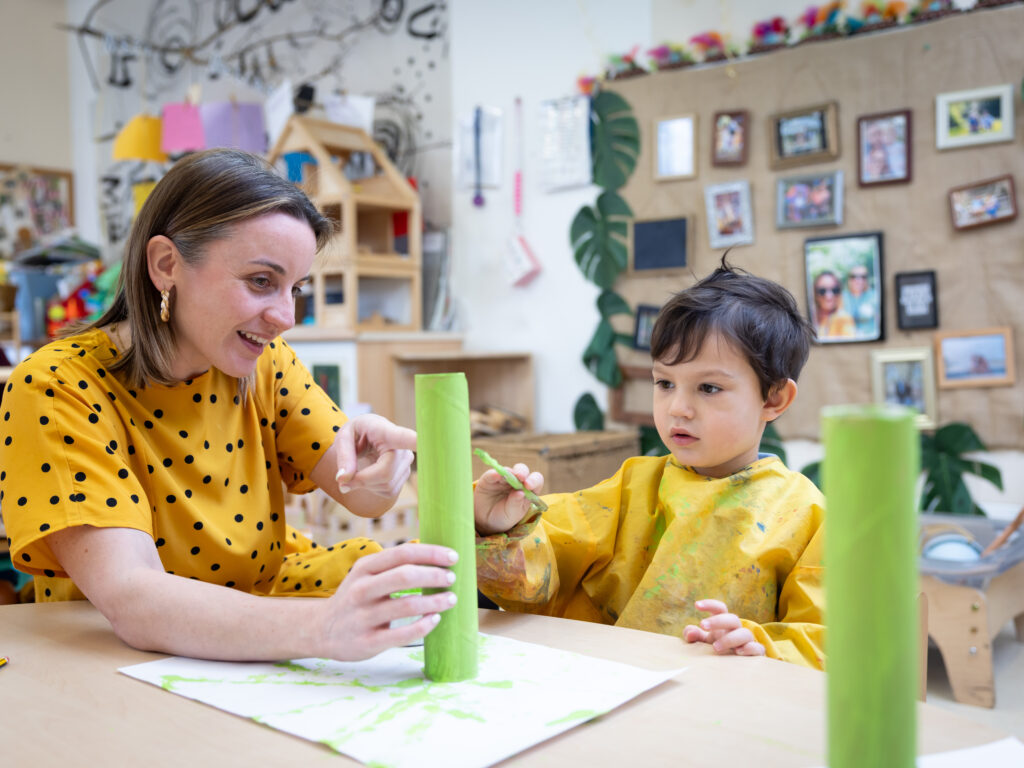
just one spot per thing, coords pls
(328, 377)
(844, 280)
(34, 203)
(917, 300)
(630, 403)
(973, 117)
(976, 358)
(809, 200)
(729, 214)
(675, 147)
(804, 136)
(906, 377)
(990, 201)
(646, 314)
(884, 142)
(660, 247)
(729, 137)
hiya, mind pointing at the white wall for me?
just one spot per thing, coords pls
(35, 128)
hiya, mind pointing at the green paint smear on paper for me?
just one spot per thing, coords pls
(579, 714)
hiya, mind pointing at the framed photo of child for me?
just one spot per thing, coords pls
(976, 358)
(804, 136)
(844, 287)
(983, 202)
(884, 142)
(906, 377)
(978, 116)
(729, 137)
(730, 220)
(811, 200)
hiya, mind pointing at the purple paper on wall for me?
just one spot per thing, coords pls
(231, 124)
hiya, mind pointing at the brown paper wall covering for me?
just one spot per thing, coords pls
(980, 272)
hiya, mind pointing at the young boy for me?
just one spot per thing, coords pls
(714, 527)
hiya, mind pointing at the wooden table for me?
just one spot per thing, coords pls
(62, 702)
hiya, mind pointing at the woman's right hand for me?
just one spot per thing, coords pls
(357, 619)
(496, 505)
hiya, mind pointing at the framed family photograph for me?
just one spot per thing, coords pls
(730, 220)
(883, 153)
(979, 116)
(917, 300)
(905, 377)
(811, 200)
(978, 358)
(729, 137)
(804, 136)
(646, 314)
(984, 202)
(844, 287)
(675, 147)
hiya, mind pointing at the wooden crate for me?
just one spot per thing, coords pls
(569, 462)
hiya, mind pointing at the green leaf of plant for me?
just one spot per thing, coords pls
(599, 242)
(957, 438)
(813, 472)
(624, 339)
(599, 356)
(610, 303)
(650, 442)
(986, 472)
(587, 415)
(771, 442)
(608, 371)
(615, 140)
(613, 206)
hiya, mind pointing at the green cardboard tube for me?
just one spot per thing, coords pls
(872, 460)
(444, 466)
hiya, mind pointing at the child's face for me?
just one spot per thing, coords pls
(709, 411)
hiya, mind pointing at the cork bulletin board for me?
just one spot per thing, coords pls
(979, 272)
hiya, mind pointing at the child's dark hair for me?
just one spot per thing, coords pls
(758, 317)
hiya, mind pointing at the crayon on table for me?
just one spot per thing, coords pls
(445, 483)
(872, 460)
(4, 661)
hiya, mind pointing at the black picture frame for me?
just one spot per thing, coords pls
(645, 316)
(660, 247)
(845, 287)
(917, 300)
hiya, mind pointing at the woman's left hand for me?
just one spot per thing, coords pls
(373, 455)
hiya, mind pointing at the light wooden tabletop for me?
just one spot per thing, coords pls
(62, 702)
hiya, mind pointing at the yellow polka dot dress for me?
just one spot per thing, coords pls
(194, 465)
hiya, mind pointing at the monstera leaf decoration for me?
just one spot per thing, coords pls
(616, 140)
(598, 237)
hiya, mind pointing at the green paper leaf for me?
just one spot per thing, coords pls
(587, 415)
(610, 303)
(615, 140)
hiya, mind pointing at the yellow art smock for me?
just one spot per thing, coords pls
(193, 465)
(640, 548)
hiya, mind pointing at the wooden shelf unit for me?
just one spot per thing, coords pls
(360, 280)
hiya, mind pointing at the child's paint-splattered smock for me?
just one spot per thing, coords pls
(193, 465)
(640, 548)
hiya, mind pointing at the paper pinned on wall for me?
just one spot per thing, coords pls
(565, 145)
(483, 166)
(140, 140)
(349, 109)
(383, 711)
(182, 129)
(234, 124)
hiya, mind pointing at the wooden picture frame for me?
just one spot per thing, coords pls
(675, 147)
(646, 314)
(34, 202)
(906, 377)
(884, 144)
(845, 296)
(977, 358)
(990, 201)
(917, 300)
(619, 407)
(730, 131)
(978, 116)
(809, 200)
(804, 136)
(729, 214)
(660, 247)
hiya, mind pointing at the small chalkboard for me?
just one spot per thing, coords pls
(660, 245)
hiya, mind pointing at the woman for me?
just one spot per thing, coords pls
(144, 456)
(830, 319)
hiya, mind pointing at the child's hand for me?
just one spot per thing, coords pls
(496, 506)
(723, 631)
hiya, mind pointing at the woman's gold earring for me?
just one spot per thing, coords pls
(165, 309)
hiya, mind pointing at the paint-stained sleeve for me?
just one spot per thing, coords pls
(799, 634)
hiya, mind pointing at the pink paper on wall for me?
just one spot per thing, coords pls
(230, 124)
(182, 130)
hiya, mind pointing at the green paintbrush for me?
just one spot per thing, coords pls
(511, 479)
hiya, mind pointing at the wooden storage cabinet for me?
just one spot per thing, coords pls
(500, 379)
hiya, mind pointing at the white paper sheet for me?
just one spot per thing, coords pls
(383, 711)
